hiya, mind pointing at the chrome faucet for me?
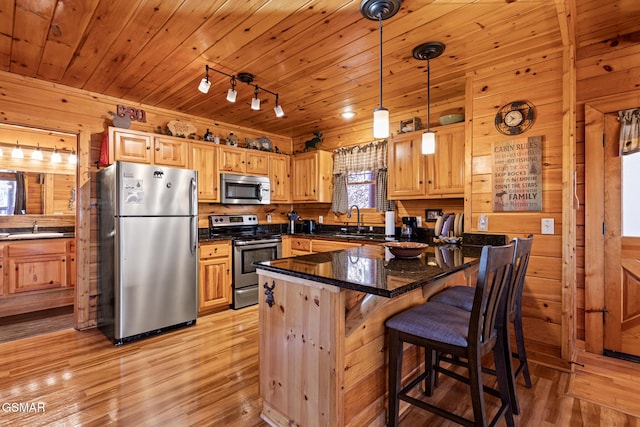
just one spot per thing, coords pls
(359, 230)
(35, 226)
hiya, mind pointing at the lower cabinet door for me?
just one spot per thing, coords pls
(36, 273)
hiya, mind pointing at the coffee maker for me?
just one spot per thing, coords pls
(409, 230)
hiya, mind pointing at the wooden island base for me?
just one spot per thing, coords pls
(323, 358)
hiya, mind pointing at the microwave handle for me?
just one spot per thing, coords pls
(260, 192)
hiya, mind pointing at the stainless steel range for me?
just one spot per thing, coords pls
(250, 244)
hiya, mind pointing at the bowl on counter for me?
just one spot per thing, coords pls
(450, 119)
(406, 249)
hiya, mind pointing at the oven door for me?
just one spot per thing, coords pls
(245, 253)
(245, 190)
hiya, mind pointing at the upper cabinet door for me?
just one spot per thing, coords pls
(232, 159)
(312, 179)
(170, 152)
(130, 146)
(280, 177)
(406, 176)
(204, 158)
(446, 165)
(257, 162)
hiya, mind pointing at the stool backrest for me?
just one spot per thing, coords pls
(489, 302)
(519, 271)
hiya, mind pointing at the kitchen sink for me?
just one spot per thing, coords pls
(357, 236)
(38, 235)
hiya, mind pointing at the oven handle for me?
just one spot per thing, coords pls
(255, 242)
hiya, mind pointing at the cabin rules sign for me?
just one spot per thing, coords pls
(517, 175)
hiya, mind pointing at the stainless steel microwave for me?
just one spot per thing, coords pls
(245, 189)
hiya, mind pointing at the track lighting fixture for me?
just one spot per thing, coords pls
(380, 10)
(278, 108)
(255, 102)
(17, 153)
(428, 51)
(232, 94)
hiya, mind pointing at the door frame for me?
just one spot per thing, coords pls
(594, 298)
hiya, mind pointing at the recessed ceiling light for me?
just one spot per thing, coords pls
(348, 114)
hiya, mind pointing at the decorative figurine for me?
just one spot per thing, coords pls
(208, 136)
(313, 142)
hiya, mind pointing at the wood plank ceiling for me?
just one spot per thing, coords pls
(321, 56)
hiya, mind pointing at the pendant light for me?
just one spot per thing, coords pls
(380, 10)
(428, 51)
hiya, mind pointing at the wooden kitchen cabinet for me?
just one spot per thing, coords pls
(242, 160)
(71, 263)
(406, 167)
(445, 167)
(142, 147)
(232, 159)
(37, 265)
(300, 246)
(203, 157)
(413, 175)
(257, 162)
(312, 177)
(214, 277)
(280, 178)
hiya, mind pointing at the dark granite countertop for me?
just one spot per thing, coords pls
(372, 269)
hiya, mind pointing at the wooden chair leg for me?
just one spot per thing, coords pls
(477, 392)
(505, 348)
(395, 377)
(505, 377)
(431, 359)
(522, 354)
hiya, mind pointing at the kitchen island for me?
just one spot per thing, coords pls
(322, 338)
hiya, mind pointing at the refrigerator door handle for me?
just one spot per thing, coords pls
(194, 197)
(194, 234)
(194, 215)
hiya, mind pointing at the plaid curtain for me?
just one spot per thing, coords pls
(629, 130)
(372, 156)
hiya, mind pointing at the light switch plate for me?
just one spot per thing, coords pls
(483, 223)
(547, 226)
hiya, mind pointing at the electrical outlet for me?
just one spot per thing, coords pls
(269, 218)
(483, 223)
(547, 226)
(320, 219)
(419, 221)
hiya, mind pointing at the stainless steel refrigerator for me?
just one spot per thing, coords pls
(148, 250)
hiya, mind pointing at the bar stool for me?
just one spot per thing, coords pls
(439, 328)
(462, 297)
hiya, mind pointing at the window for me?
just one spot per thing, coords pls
(361, 189)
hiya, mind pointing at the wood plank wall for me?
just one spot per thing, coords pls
(537, 78)
(604, 71)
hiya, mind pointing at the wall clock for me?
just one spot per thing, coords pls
(515, 117)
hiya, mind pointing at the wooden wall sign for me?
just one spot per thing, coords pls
(517, 175)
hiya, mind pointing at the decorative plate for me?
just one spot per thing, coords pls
(264, 143)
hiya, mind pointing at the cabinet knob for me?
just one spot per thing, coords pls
(148, 148)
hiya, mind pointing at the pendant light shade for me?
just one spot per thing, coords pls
(428, 51)
(428, 142)
(380, 10)
(17, 153)
(55, 157)
(36, 154)
(380, 123)
(232, 93)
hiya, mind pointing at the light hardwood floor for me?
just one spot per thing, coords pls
(207, 375)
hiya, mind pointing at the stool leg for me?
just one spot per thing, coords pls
(505, 348)
(522, 354)
(477, 392)
(431, 359)
(505, 379)
(395, 377)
